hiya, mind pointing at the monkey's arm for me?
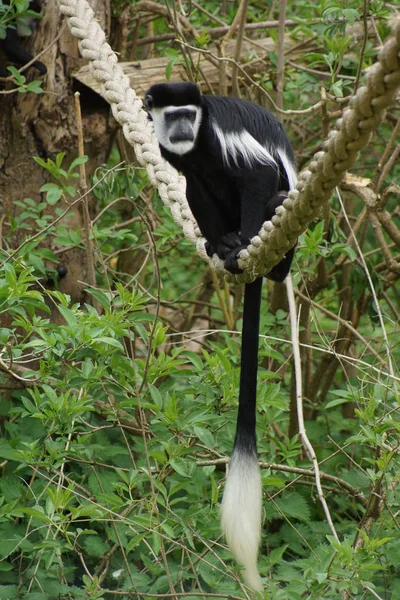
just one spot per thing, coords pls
(207, 212)
(254, 212)
(255, 187)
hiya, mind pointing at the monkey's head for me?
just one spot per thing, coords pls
(176, 111)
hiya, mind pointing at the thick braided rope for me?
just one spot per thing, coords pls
(315, 184)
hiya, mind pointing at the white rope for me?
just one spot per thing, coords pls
(315, 184)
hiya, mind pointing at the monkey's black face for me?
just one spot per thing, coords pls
(175, 110)
(180, 124)
(176, 127)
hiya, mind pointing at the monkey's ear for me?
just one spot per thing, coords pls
(148, 101)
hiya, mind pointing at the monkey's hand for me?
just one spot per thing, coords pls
(227, 243)
(228, 249)
(231, 261)
(224, 246)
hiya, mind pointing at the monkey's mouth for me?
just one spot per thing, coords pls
(184, 136)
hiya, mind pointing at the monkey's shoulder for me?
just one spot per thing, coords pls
(234, 115)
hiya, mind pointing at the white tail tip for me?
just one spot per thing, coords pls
(241, 514)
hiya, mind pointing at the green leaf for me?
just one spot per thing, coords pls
(81, 160)
(168, 70)
(135, 541)
(35, 86)
(337, 402)
(69, 316)
(205, 436)
(294, 505)
(54, 192)
(95, 546)
(109, 341)
(180, 466)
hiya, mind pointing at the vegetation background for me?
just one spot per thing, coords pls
(119, 350)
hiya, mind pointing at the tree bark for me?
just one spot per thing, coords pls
(44, 125)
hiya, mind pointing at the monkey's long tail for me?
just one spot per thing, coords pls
(241, 504)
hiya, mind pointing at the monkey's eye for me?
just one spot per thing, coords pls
(149, 101)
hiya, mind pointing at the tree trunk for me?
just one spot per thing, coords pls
(44, 125)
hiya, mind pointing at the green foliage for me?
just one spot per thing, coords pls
(17, 13)
(84, 491)
(174, 58)
(23, 87)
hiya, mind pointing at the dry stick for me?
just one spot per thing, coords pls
(164, 11)
(281, 54)
(221, 302)
(357, 362)
(239, 40)
(91, 275)
(135, 39)
(371, 591)
(389, 165)
(221, 48)
(299, 400)
(228, 303)
(211, 595)
(187, 57)
(384, 334)
(377, 227)
(364, 45)
(141, 410)
(382, 165)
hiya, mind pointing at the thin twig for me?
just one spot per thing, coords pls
(238, 48)
(371, 591)
(344, 322)
(372, 288)
(281, 54)
(299, 402)
(90, 275)
(221, 302)
(382, 165)
(364, 45)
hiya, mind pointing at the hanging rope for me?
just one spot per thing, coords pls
(316, 183)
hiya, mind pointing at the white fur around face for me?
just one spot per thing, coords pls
(162, 132)
(241, 514)
(242, 145)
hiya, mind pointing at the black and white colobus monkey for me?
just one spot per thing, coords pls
(239, 166)
(12, 44)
